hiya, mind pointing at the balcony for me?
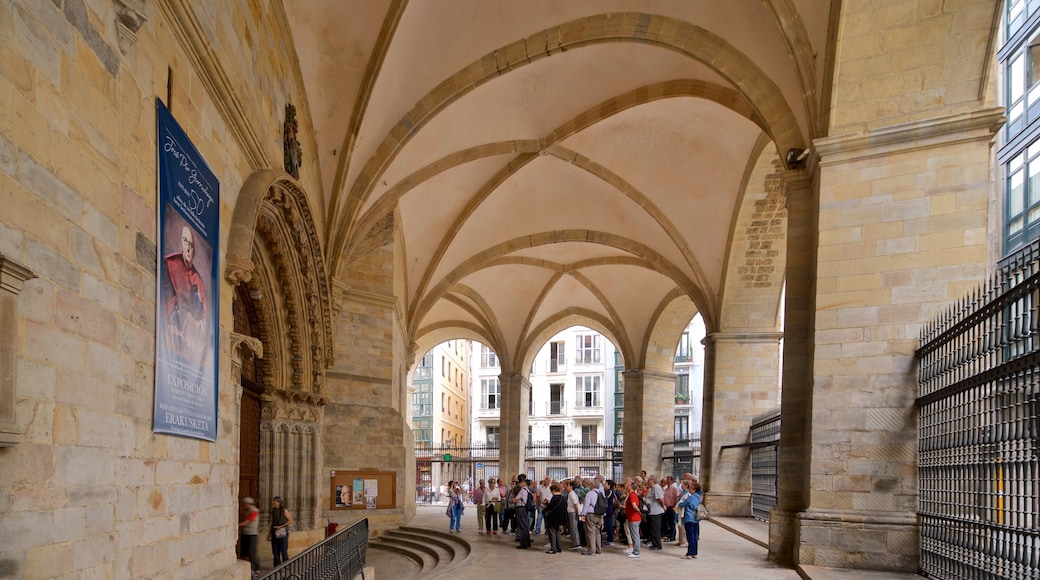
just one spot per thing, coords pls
(588, 408)
(555, 367)
(554, 408)
(486, 411)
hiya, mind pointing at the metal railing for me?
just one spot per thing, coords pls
(339, 557)
(765, 459)
(682, 456)
(978, 406)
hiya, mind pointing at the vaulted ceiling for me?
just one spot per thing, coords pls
(553, 161)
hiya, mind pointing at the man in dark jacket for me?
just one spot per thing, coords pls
(523, 518)
(555, 515)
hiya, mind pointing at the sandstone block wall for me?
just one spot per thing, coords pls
(90, 491)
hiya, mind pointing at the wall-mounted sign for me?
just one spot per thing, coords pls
(186, 303)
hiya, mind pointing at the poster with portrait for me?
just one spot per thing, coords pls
(186, 285)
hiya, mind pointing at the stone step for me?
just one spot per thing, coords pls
(407, 553)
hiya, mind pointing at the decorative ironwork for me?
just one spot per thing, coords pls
(979, 371)
(290, 144)
(340, 557)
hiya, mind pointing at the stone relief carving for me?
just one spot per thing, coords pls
(291, 145)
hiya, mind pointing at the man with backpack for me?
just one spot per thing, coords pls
(592, 513)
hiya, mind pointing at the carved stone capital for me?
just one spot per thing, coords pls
(238, 270)
(129, 18)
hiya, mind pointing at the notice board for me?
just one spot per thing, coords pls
(363, 489)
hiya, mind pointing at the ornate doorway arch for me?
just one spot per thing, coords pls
(275, 259)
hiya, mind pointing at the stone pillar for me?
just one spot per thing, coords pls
(796, 398)
(744, 385)
(649, 419)
(902, 232)
(11, 277)
(516, 399)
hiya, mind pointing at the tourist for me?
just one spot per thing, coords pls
(632, 517)
(281, 522)
(690, 501)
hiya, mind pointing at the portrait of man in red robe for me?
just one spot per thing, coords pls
(184, 301)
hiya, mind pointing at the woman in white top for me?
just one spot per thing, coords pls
(493, 498)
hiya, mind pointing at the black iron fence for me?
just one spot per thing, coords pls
(339, 557)
(765, 460)
(682, 456)
(979, 370)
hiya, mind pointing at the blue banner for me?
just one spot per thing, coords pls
(187, 302)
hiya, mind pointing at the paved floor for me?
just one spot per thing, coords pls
(733, 552)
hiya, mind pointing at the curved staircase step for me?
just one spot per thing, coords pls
(426, 551)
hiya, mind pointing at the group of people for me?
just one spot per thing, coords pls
(593, 512)
(278, 534)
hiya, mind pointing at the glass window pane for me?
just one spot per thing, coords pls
(1034, 61)
(1015, 15)
(1016, 189)
(1014, 114)
(1034, 214)
(1016, 79)
(1033, 187)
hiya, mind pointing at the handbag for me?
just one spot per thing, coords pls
(702, 512)
(281, 532)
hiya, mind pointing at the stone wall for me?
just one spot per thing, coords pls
(90, 491)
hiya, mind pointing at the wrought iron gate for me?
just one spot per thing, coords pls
(765, 460)
(979, 369)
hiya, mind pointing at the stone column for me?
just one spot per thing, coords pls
(745, 384)
(902, 231)
(649, 419)
(796, 399)
(11, 277)
(516, 399)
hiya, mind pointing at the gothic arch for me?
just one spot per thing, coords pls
(274, 250)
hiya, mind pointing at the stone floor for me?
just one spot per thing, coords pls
(730, 548)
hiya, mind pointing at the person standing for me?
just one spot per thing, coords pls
(592, 520)
(542, 497)
(250, 525)
(608, 519)
(670, 500)
(492, 500)
(455, 505)
(573, 511)
(523, 518)
(555, 518)
(480, 500)
(689, 502)
(281, 520)
(654, 497)
(509, 514)
(632, 517)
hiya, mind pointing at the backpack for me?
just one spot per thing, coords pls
(529, 504)
(601, 504)
(644, 507)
